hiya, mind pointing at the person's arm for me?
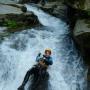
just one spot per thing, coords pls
(38, 57)
(50, 61)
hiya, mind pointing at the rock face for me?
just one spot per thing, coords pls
(19, 22)
(78, 13)
(56, 9)
(7, 9)
(82, 36)
(79, 4)
(12, 17)
(81, 27)
(80, 17)
(9, 1)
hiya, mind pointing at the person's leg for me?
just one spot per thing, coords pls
(26, 78)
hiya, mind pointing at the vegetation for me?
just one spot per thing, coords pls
(11, 24)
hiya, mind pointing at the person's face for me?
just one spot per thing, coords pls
(47, 54)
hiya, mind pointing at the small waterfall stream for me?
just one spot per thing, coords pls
(18, 53)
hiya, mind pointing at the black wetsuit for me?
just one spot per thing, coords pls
(37, 71)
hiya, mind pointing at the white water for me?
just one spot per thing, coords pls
(18, 53)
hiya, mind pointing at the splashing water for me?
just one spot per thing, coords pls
(18, 53)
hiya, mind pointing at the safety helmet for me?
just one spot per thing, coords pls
(48, 50)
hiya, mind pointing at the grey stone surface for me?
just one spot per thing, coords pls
(6, 9)
(9, 1)
(80, 27)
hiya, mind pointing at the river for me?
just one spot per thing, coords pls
(18, 53)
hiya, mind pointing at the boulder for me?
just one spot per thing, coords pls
(7, 9)
(13, 17)
(16, 22)
(9, 1)
(81, 27)
(79, 4)
(56, 9)
(82, 36)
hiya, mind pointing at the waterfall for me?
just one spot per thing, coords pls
(18, 53)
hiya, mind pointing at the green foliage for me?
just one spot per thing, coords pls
(11, 24)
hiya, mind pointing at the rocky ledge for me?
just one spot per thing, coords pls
(12, 17)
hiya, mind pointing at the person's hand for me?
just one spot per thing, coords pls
(39, 54)
(21, 87)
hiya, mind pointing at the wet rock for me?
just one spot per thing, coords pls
(81, 27)
(24, 1)
(79, 22)
(2, 29)
(30, 1)
(6, 9)
(56, 9)
(79, 4)
(9, 1)
(82, 36)
(24, 9)
(14, 17)
(16, 22)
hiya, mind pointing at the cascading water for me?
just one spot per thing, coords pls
(18, 53)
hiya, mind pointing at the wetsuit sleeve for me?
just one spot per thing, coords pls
(50, 61)
(38, 57)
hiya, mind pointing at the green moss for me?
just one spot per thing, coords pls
(11, 24)
(14, 25)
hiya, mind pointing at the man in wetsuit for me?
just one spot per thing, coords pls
(43, 62)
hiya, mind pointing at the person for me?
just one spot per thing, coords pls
(47, 57)
(43, 61)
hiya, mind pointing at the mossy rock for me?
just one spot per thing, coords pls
(11, 24)
(15, 22)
